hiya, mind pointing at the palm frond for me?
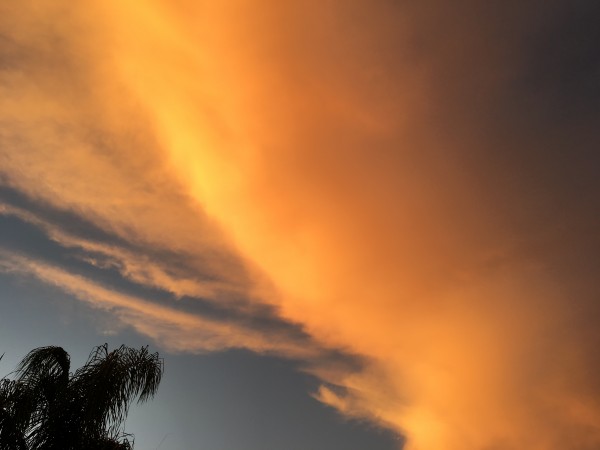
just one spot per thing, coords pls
(48, 408)
(17, 406)
(110, 381)
(45, 362)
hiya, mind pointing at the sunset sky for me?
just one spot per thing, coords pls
(344, 224)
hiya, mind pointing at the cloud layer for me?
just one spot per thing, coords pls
(414, 185)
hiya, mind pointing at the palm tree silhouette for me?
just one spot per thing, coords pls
(46, 407)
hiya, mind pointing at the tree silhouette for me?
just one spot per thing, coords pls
(46, 407)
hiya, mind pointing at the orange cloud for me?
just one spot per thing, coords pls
(350, 158)
(173, 329)
(139, 268)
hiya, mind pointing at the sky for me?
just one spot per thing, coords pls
(343, 224)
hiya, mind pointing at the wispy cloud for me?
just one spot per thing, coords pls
(171, 328)
(145, 269)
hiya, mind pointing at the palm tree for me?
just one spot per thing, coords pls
(49, 408)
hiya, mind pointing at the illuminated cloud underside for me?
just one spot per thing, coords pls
(364, 165)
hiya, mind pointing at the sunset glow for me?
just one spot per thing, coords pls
(369, 172)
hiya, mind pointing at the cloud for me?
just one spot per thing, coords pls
(144, 269)
(392, 177)
(174, 329)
